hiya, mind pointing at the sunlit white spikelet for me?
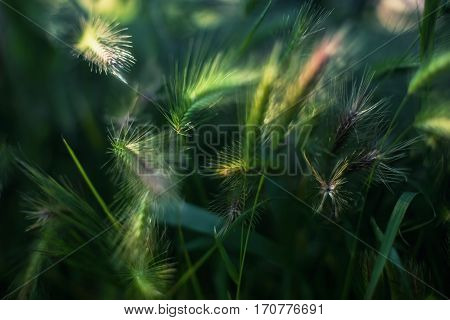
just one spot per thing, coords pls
(105, 46)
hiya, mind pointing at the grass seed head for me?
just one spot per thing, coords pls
(229, 162)
(437, 65)
(201, 83)
(105, 46)
(434, 119)
(331, 188)
(384, 171)
(359, 110)
(40, 217)
(382, 158)
(138, 159)
(363, 160)
(313, 68)
(142, 247)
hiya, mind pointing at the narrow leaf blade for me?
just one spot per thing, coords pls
(391, 232)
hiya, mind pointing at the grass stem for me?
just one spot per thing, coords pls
(195, 282)
(247, 237)
(91, 186)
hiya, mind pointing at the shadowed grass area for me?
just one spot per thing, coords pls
(224, 150)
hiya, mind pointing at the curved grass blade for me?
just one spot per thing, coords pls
(195, 282)
(91, 185)
(249, 37)
(396, 285)
(230, 267)
(388, 239)
(427, 26)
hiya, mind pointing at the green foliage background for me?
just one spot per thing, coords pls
(46, 94)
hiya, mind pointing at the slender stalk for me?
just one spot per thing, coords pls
(247, 237)
(355, 243)
(394, 118)
(427, 26)
(192, 270)
(91, 186)
(351, 263)
(248, 39)
(241, 247)
(195, 282)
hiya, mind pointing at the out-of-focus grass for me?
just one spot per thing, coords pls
(288, 251)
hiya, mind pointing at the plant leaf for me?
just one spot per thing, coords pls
(249, 37)
(202, 221)
(427, 27)
(388, 239)
(230, 267)
(394, 257)
(90, 184)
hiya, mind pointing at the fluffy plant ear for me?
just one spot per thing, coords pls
(436, 66)
(230, 166)
(141, 249)
(297, 88)
(381, 160)
(201, 82)
(62, 202)
(145, 182)
(105, 46)
(305, 23)
(141, 163)
(257, 106)
(360, 115)
(385, 172)
(331, 190)
(434, 119)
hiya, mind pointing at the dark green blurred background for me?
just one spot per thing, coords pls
(46, 93)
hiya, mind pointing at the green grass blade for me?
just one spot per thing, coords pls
(247, 237)
(427, 26)
(397, 66)
(249, 37)
(402, 280)
(231, 269)
(195, 282)
(388, 239)
(91, 185)
(191, 271)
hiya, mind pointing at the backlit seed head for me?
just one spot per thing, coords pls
(229, 162)
(331, 189)
(140, 160)
(313, 68)
(359, 111)
(105, 47)
(40, 217)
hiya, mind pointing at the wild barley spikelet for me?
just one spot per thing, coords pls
(139, 161)
(331, 188)
(358, 109)
(142, 249)
(382, 157)
(232, 168)
(229, 162)
(302, 86)
(313, 68)
(105, 47)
